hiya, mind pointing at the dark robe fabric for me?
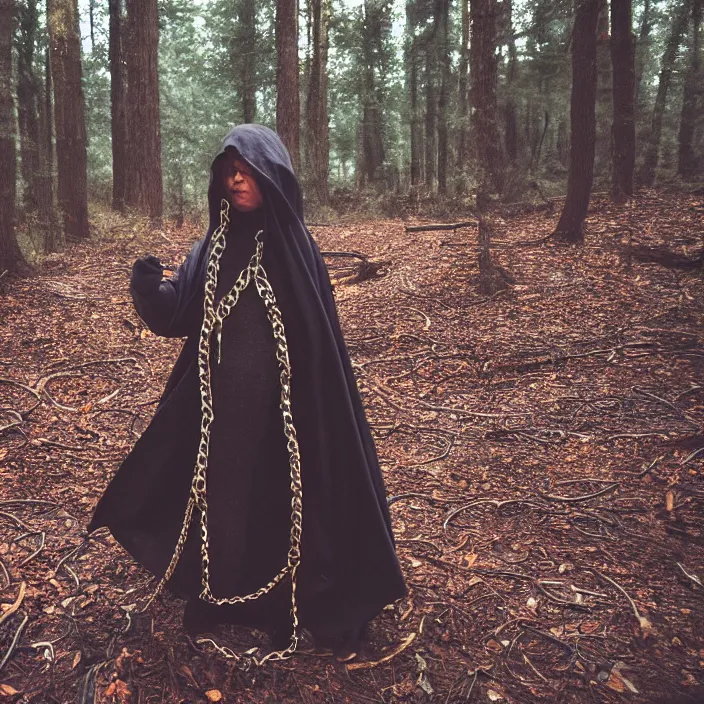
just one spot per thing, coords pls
(349, 569)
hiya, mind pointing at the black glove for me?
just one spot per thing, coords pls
(147, 273)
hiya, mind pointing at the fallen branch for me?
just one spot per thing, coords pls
(26, 388)
(16, 605)
(386, 658)
(14, 642)
(10, 412)
(645, 625)
(441, 226)
(690, 575)
(584, 497)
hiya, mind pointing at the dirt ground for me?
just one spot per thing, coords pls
(543, 451)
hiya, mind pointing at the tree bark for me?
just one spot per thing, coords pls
(46, 122)
(28, 102)
(244, 53)
(431, 116)
(117, 106)
(463, 141)
(317, 102)
(642, 53)
(483, 93)
(510, 110)
(10, 256)
(287, 98)
(412, 68)
(688, 163)
(69, 116)
(443, 98)
(374, 15)
(623, 90)
(582, 121)
(144, 188)
(650, 162)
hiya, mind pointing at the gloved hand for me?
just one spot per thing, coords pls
(147, 273)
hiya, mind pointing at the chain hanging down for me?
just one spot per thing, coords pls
(213, 319)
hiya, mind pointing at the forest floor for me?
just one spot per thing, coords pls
(543, 451)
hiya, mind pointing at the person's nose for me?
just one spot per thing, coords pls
(238, 176)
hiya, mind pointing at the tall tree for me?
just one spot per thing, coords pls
(375, 27)
(463, 100)
(482, 72)
(412, 60)
(27, 101)
(652, 152)
(317, 138)
(10, 256)
(144, 189)
(623, 88)
(510, 107)
(69, 116)
(287, 98)
(117, 106)
(46, 154)
(687, 165)
(431, 108)
(642, 52)
(582, 121)
(443, 15)
(244, 53)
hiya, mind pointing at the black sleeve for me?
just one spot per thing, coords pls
(162, 310)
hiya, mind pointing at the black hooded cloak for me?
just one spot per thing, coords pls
(349, 569)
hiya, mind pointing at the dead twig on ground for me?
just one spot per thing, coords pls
(584, 497)
(13, 644)
(386, 658)
(15, 605)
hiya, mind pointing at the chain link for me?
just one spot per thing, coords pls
(213, 319)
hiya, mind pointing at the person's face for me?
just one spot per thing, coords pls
(240, 187)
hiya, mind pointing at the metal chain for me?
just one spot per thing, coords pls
(212, 324)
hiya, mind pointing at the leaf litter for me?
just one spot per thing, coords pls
(543, 452)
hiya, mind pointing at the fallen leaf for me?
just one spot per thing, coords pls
(470, 558)
(76, 659)
(669, 501)
(7, 690)
(214, 695)
(493, 696)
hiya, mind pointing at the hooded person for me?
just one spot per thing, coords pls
(255, 492)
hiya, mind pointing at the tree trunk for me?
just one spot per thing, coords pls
(463, 141)
(317, 102)
(431, 116)
(483, 93)
(245, 52)
(287, 98)
(144, 188)
(10, 256)
(650, 162)
(687, 166)
(624, 126)
(117, 106)
(582, 121)
(510, 110)
(28, 103)
(69, 116)
(374, 14)
(46, 121)
(642, 53)
(443, 99)
(412, 67)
